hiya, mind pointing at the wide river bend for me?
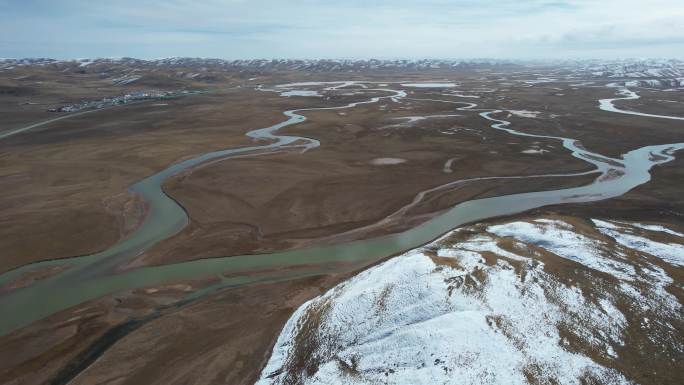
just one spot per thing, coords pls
(95, 275)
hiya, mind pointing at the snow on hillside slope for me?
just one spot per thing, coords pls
(530, 302)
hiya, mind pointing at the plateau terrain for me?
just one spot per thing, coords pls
(206, 221)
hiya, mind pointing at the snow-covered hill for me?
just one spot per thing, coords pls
(637, 69)
(545, 301)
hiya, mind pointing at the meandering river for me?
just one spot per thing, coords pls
(95, 275)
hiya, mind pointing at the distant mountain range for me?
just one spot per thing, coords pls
(327, 65)
(623, 68)
(654, 73)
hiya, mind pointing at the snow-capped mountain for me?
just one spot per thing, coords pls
(316, 65)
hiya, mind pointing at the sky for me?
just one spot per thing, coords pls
(343, 29)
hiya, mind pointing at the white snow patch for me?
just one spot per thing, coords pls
(128, 79)
(672, 253)
(657, 228)
(429, 85)
(304, 84)
(300, 93)
(386, 161)
(524, 113)
(534, 151)
(413, 119)
(559, 238)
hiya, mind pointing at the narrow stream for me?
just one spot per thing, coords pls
(95, 275)
(627, 94)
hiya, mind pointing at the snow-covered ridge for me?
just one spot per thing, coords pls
(320, 65)
(668, 84)
(551, 300)
(632, 68)
(641, 66)
(650, 71)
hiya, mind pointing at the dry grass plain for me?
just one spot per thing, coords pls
(64, 193)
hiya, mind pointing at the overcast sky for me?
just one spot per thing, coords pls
(235, 29)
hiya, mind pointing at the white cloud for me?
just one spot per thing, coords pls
(308, 28)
